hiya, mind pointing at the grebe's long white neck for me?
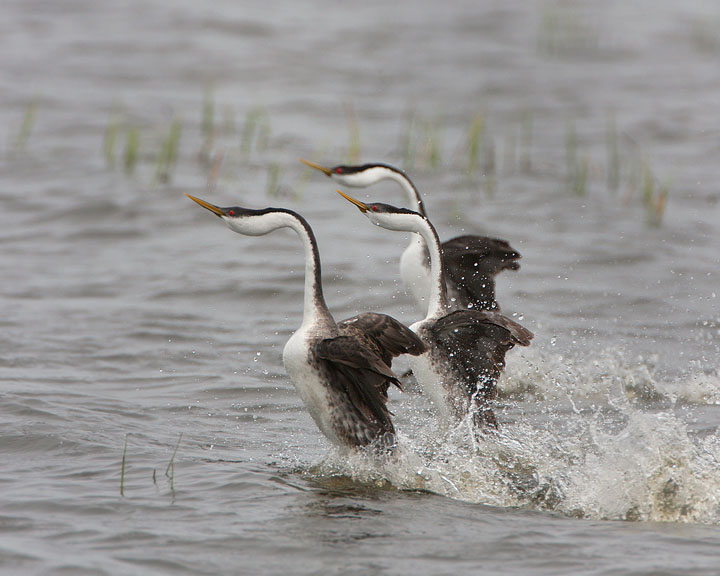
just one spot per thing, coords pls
(314, 307)
(384, 172)
(406, 220)
(438, 302)
(368, 174)
(250, 222)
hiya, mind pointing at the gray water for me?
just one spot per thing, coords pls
(136, 327)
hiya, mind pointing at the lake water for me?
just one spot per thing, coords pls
(146, 423)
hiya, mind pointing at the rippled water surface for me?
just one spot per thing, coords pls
(147, 425)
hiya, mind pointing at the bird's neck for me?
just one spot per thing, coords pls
(314, 308)
(413, 198)
(411, 192)
(438, 302)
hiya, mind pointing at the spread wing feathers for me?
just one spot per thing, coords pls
(476, 342)
(387, 336)
(361, 379)
(472, 262)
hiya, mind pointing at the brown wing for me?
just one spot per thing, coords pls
(389, 337)
(471, 264)
(477, 342)
(360, 379)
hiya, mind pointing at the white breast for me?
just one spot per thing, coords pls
(415, 274)
(431, 380)
(307, 381)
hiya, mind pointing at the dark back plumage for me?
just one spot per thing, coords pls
(477, 341)
(357, 364)
(387, 335)
(471, 264)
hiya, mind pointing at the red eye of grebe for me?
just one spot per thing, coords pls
(338, 170)
(231, 212)
(374, 208)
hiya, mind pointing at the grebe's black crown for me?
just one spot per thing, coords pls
(344, 169)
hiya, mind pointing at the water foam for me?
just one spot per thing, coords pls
(599, 439)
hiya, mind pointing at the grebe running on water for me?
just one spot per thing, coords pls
(465, 348)
(470, 262)
(340, 370)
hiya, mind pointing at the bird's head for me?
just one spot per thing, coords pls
(247, 221)
(386, 215)
(357, 176)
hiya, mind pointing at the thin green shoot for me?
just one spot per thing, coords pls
(26, 127)
(169, 147)
(577, 169)
(132, 147)
(122, 468)
(526, 139)
(570, 149)
(431, 144)
(566, 30)
(653, 195)
(263, 137)
(171, 464)
(489, 166)
(273, 180)
(208, 117)
(214, 171)
(660, 203)
(256, 129)
(613, 153)
(228, 120)
(474, 140)
(510, 153)
(110, 139)
(248, 132)
(406, 140)
(170, 470)
(647, 184)
(580, 174)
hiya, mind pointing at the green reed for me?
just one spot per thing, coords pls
(167, 157)
(228, 122)
(208, 117)
(430, 143)
(122, 469)
(110, 139)
(474, 140)
(565, 30)
(489, 165)
(406, 139)
(255, 129)
(272, 185)
(576, 168)
(510, 152)
(170, 469)
(214, 170)
(653, 194)
(132, 148)
(26, 126)
(526, 140)
(613, 153)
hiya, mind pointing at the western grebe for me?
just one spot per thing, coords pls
(341, 370)
(470, 262)
(465, 348)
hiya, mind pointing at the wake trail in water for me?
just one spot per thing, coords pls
(597, 439)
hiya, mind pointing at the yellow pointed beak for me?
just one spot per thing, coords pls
(362, 207)
(214, 209)
(322, 169)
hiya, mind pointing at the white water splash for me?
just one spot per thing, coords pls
(602, 439)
